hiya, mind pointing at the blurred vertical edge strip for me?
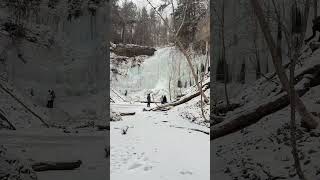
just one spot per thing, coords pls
(211, 82)
(108, 37)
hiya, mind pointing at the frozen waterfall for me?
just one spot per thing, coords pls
(153, 76)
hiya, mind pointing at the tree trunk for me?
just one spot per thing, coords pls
(256, 49)
(185, 99)
(224, 56)
(307, 117)
(127, 114)
(53, 166)
(293, 119)
(123, 33)
(253, 115)
(315, 8)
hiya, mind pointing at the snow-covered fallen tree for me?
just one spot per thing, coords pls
(183, 99)
(251, 112)
(53, 166)
(131, 50)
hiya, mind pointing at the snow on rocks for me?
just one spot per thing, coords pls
(115, 116)
(263, 151)
(191, 111)
(12, 168)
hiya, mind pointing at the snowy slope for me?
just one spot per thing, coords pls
(60, 54)
(263, 150)
(66, 55)
(38, 145)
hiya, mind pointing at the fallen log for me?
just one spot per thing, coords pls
(181, 101)
(131, 50)
(53, 166)
(198, 130)
(253, 115)
(223, 109)
(127, 114)
(147, 101)
(103, 127)
(215, 119)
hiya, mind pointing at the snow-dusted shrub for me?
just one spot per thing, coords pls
(14, 169)
(114, 116)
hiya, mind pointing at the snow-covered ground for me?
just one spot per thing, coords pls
(263, 150)
(34, 145)
(172, 144)
(157, 145)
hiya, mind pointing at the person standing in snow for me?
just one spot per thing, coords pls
(148, 100)
(31, 92)
(49, 99)
(165, 99)
(126, 93)
(53, 96)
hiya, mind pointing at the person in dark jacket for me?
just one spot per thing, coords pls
(53, 96)
(165, 99)
(49, 99)
(148, 100)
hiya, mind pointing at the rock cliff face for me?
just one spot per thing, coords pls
(55, 44)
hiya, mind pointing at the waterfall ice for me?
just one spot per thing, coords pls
(154, 74)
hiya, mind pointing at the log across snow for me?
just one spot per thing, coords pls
(256, 105)
(185, 98)
(54, 166)
(131, 50)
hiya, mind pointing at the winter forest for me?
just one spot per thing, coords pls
(193, 89)
(265, 95)
(160, 89)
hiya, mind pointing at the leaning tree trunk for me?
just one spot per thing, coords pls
(315, 8)
(224, 57)
(308, 78)
(307, 117)
(293, 140)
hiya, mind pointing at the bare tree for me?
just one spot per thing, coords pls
(315, 8)
(224, 54)
(221, 24)
(307, 118)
